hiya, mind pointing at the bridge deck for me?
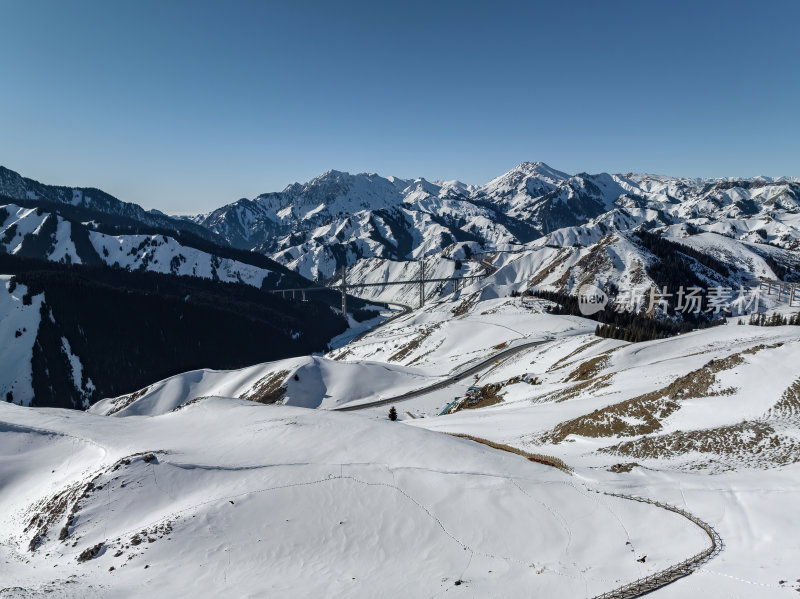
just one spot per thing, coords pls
(338, 288)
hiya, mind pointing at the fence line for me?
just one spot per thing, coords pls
(657, 580)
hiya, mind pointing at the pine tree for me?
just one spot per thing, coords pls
(392, 414)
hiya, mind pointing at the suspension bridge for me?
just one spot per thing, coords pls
(786, 291)
(342, 286)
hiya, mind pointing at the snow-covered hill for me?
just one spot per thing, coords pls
(72, 335)
(280, 501)
(308, 382)
(716, 399)
(412, 352)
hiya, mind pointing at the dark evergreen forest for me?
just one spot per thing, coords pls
(130, 329)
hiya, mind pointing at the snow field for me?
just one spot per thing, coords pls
(327, 502)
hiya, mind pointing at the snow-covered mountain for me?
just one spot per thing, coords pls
(540, 228)
(91, 203)
(339, 219)
(35, 233)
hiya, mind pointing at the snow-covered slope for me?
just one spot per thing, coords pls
(19, 324)
(707, 421)
(282, 501)
(715, 400)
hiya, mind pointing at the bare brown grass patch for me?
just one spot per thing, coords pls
(268, 389)
(533, 457)
(643, 414)
(414, 344)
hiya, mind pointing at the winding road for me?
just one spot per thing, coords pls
(506, 353)
(405, 310)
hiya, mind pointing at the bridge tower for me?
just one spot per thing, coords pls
(422, 282)
(344, 291)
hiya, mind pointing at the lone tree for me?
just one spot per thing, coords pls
(392, 414)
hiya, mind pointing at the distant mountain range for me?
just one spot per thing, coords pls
(338, 219)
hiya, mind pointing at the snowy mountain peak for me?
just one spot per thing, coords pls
(540, 169)
(529, 178)
(421, 185)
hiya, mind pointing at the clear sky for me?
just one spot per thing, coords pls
(188, 105)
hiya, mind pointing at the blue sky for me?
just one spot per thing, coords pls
(185, 106)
